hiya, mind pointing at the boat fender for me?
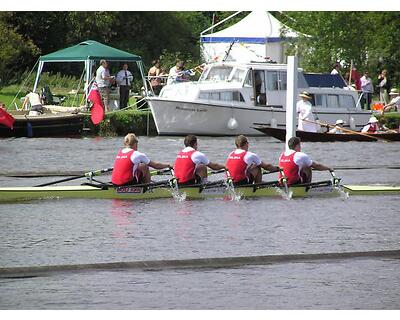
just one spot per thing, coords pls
(274, 123)
(352, 123)
(232, 123)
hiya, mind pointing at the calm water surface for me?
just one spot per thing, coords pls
(73, 231)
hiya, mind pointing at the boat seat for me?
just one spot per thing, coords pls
(49, 98)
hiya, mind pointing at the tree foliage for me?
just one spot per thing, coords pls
(369, 39)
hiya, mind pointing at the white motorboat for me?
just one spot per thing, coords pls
(230, 97)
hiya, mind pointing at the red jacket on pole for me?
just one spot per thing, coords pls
(97, 111)
(6, 118)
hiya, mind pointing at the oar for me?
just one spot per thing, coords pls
(210, 172)
(372, 136)
(87, 174)
(335, 179)
(161, 172)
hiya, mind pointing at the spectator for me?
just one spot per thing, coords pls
(154, 76)
(336, 68)
(178, 73)
(104, 80)
(384, 87)
(394, 102)
(124, 79)
(33, 99)
(367, 91)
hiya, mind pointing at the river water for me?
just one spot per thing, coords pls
(75, 231)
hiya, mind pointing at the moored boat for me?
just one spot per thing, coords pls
(280, 134)
(230, 96)
(43, 125)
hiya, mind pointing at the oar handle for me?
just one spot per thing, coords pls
(216, 172)
(161, 172)
(98, 172)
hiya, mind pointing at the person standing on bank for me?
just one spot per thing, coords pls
(306, 116)
(367, 90)
(103, 80)
(124, 79)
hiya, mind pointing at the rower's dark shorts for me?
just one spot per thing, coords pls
(243, 182)
(190, 182)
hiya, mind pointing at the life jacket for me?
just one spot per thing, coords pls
(184, 167)
(373, 128)
(290, 168)
(236, 166)
(123, 168)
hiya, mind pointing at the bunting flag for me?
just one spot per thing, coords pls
(6, 118)
(97, 110)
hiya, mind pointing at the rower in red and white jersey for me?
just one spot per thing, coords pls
(296, 165)
(132, 166)
(244, 166)
(191, 165)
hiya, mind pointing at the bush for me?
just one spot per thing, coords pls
(120, 123)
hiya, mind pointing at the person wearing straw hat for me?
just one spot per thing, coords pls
(372, 126)
(306, 117)
(394, 102)
(338, 127)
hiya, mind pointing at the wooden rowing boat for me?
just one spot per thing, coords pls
(44, 125)
(280, 134)
(211, 190)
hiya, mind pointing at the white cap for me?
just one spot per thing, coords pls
(372, 120)
(339, 121)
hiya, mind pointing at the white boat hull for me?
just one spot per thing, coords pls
(184, 117)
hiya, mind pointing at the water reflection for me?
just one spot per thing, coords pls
(123, 214)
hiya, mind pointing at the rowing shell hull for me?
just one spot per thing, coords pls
(139, 193)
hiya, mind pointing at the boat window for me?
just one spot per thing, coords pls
(272, 80)
(346, 101)
(238, 75)
(320, 100)
(282, 80)
(218, 74)
(222, 96)
(332, 101)
(249, 79)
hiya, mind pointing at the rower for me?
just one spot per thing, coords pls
(191, 165)
(338, 127)
(244, 167)
(372, 126)
(296, 165)
(131, 166)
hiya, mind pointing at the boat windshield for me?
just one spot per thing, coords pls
(217, 74)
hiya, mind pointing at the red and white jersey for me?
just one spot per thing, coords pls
(186, 162)
(125, 165)
(239, 161)
(291, 163)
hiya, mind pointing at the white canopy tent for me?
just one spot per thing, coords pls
(257, 37)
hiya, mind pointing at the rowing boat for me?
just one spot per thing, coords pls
(211, 190)
(280, 134)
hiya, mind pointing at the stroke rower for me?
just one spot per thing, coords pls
(191, 165)
(131, 166)
(244, 167)
(372, 126)
(296, 165)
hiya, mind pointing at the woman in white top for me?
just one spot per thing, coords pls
(306, 117)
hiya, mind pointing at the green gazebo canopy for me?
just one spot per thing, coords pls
(89, 50)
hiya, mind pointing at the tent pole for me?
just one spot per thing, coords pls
(39, 71)
(141, 69)
(88, 69)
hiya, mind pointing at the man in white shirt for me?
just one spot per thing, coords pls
(131, 166)
(367, 90)
(306, 116)
(33, 99)
(337, 129)
(296, 165)
(124, 79)
(178, 73)
(394, 102)
(191, 165)
(103, 80)
(244, 167)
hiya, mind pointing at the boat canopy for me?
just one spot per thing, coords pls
(324, 80)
